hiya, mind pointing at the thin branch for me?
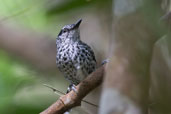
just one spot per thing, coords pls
(73, 99)
(60, 93)
(14, 15)
(90, 103)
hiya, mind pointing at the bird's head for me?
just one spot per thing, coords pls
(70, 33)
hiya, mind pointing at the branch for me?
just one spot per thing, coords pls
(73, 99)
(60, 93)
(30, 46)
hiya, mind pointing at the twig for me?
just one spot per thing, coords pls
(90, 103)
(60, 93)
(55, 90)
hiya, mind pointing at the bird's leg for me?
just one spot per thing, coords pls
(71, 87)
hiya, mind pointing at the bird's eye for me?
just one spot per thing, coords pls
(65, 30)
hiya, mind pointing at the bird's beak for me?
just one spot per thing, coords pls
(77, 24)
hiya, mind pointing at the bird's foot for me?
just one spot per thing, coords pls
(71, 87)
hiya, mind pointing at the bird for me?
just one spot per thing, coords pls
(74, 58)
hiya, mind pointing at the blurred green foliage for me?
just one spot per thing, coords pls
(13, 75)
(27, 13)
(66, 6)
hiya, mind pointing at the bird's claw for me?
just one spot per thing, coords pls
(72, 87)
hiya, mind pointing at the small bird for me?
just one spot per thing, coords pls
(74, 58)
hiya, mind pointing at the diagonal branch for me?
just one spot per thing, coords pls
(62, 93)
(73, 99)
